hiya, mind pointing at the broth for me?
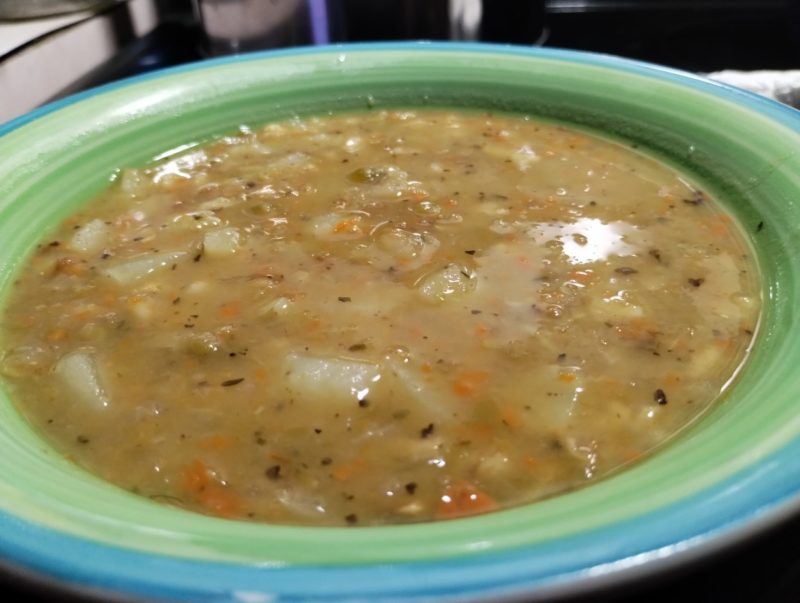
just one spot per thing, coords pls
(393, 317)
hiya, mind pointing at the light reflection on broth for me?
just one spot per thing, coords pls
(588, 240)
(381, 318)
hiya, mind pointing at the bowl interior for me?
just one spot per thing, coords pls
(741, 148)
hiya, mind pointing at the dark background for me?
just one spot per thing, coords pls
(695, 35)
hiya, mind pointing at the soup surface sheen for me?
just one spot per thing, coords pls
(380, 318)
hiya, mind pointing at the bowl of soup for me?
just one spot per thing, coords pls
(395, 321)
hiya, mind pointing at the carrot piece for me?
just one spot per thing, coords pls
(583, 277)
(468, 382)
(350, 225)
(719, 227)
(611, 387)
(511, 416)
(195, 476)
(723, 342)
(84, 314)
(341, 472)
(230, 309)
(345, 471)
(481, 330)
(462, 499)
(206, 491)
(217, 442)
(56, 335)
(566, 376)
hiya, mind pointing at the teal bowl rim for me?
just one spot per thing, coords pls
(745, 503)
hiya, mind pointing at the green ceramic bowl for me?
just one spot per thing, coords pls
(729, 474)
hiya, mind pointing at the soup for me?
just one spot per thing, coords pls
(393, 317)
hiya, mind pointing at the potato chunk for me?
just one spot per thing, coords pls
(79, 373)
(336, 380)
